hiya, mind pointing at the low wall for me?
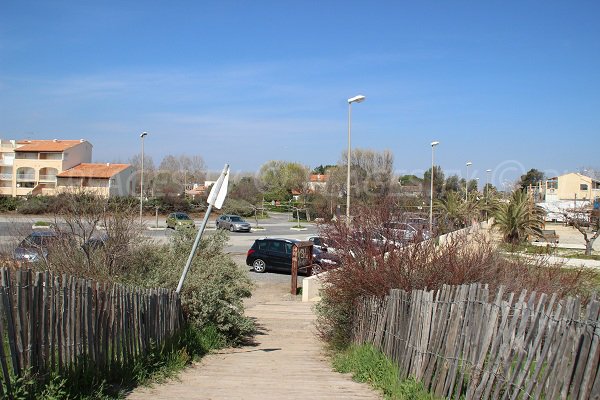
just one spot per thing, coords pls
(311, 287)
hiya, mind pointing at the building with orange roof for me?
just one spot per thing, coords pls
(31, 166)
(106, 180)
(317, 182)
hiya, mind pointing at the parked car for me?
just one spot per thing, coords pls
(375, 239)
(276, 253)
(324, 260)
(321, 243)
(35, 246)
(404, 231)
(234, 223)
(179, 220)
(95, 243)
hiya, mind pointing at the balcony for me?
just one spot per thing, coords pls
(25, 177)
(47, 178)
(6, 177)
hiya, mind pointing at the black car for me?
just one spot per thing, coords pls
(275, 253)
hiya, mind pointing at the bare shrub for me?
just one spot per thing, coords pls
(95, 237)
(372, 267)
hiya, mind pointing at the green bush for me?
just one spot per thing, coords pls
(10, 203)
(35, 205)
(238, 207)
(214, 288)
(167, 204)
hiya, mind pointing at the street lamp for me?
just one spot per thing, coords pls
(142, 135)
(433, 144)
(355, 99)
(487, 191)
(469, 163)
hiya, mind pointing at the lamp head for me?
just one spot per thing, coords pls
(434, 143)
(143, 134)
(488, 170)
(356, 99)
(469, 163)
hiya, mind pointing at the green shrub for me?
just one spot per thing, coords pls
(35, 205)
(214, 287)
(238, 207)
(10, 203)
(42, 223)
(167, 204)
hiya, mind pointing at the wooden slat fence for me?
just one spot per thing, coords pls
(464, 342)
(61, 323)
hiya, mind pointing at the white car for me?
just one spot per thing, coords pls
(407, 232)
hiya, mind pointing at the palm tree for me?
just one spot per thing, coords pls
(452, 210)
(519, 218)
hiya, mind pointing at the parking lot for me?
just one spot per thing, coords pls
(13, 228)
(570, 237)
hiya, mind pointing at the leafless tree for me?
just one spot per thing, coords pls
(587, 222)
(592, 172)
(371, 174)
(149, 172)
(95, 236)
(177, 171)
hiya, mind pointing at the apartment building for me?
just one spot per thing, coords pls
(572, 186)
(106, 180)
(30, 167)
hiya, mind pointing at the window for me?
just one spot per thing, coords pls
(583, 186)
(276, 246)
(262, 245)
(50, 156)
(288, 248)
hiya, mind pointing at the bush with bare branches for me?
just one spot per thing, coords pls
(96, 237)
(373, 267)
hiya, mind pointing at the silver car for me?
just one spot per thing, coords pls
(234, 223)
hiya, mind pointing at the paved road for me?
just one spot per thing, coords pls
(15, 227)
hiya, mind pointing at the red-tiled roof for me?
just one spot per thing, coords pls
(86, 170)
(319, 178)
(46, 145)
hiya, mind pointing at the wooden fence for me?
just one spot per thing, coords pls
(462, 343)
(51, 323)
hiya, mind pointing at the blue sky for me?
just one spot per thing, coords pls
(508, 85)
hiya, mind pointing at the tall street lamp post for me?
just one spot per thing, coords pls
(142, 135)
(355, 99)
(433, 144)
(469, 163)
(487, 191)
(487, 185)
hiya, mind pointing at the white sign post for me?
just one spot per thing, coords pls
(215, 199)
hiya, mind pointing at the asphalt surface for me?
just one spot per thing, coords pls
(13, 228)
